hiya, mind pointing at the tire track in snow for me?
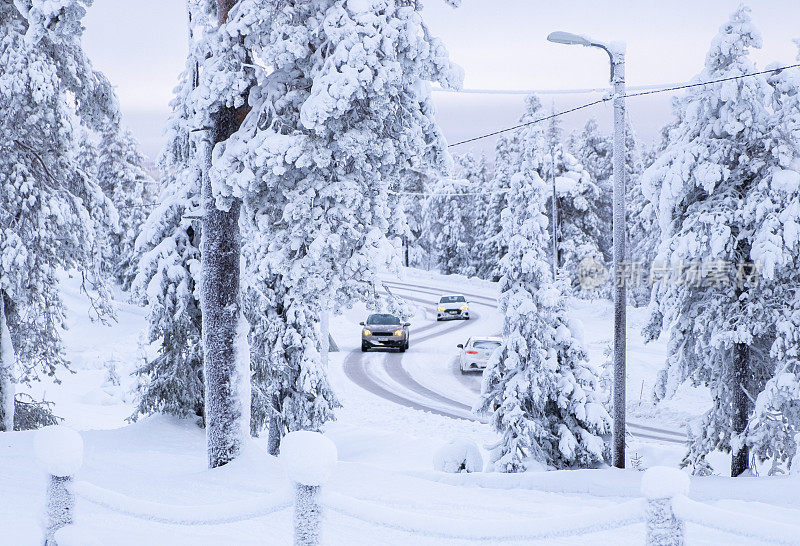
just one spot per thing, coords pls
(399, 374)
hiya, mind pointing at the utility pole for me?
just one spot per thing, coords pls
(618, 79)
(554, 212)
(616, 53)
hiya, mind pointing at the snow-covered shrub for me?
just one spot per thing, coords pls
(458, 456)
(795, 466)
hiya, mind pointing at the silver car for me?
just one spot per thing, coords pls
(452, 307)
(382, 330)
(476, 352)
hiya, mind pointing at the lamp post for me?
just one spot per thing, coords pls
(616, 53)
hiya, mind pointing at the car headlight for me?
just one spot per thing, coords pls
(398, 333)
(440, 308)
(464, 307)
(366, 333)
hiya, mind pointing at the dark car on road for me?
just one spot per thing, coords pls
(382, 330)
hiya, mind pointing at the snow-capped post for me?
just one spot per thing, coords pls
(660, 485)
(616, 53)
(59, 451)
(309, 459)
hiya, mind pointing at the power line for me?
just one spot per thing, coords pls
(627, 95)
(521, 125)
(463, 194)
(646, 91)
(583, 91)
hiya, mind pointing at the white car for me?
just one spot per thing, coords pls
(476, 352)
(452, 307)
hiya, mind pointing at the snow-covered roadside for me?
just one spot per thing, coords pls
(385, 450)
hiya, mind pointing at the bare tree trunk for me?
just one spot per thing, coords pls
(274, 435)
(741, 407)
(7, 372)
(220, 254)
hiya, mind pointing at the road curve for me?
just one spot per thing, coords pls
(416, 396)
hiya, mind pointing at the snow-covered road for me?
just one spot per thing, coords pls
(427, 377)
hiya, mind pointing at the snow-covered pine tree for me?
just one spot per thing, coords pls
(168, 250)
(219, 104)
(413, 189)
(477, 206)
(47, 89)
(455, 213)
(579, 227)
(709, 187)
(642, 227)
(449, 225)
(775, 208)
(492, 246)
(122, 176)
(540, 389)
(595, 151)
(343, 113)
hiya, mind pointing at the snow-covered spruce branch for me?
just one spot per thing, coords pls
(206, 514)
(736, 523)
(620, 515)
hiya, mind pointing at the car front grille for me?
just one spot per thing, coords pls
(374, 333)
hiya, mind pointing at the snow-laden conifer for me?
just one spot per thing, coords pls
(449, 225)
(168, 256)
(541, 391)
(774, 208)
(122, 176)
(343, 113)
(454, 215)
(713, 199)
(491, 247)
(51, 213)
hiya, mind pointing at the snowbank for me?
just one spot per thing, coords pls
(737, 523)
(204, 514)
(570, 524)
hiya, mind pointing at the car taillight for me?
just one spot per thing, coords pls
(471, 352)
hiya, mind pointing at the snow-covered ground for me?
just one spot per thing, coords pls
(148, 483)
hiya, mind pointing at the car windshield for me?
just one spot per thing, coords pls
(486, 344)
(452, 299)
(383, 318)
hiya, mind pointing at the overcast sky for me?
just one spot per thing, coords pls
(141, 47)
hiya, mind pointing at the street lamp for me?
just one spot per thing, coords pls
(616, 53)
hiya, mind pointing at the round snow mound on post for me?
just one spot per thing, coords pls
(59, 450)
(309, 457)
(662, 482)
(458, 456)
